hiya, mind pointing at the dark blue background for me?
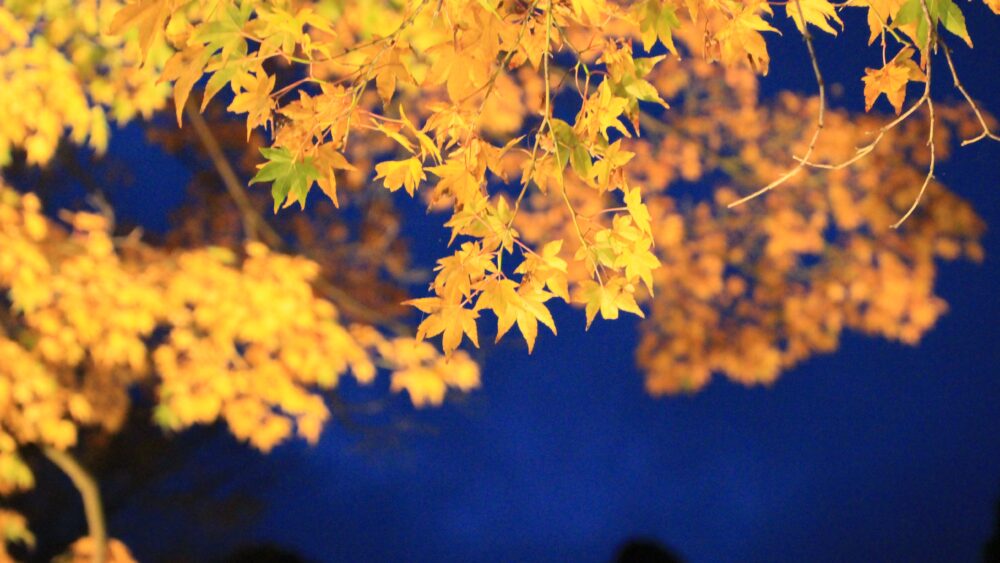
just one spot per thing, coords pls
(878, 452)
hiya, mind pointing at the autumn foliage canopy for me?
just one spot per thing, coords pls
(612, 155)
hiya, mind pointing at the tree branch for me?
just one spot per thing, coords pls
(89, 493)
(257, 228)
(254, 225)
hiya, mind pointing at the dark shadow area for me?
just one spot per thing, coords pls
(644, 550)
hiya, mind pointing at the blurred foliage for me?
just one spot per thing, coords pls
(559, 154)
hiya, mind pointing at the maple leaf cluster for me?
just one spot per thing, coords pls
(547, 133)
(61, 74)
(215, 336)
(439, 68)
(750, 292)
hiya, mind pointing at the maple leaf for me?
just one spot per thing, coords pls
(951, 17)
(449, 319)
(289, 177)
(498, 221)
(392, 131)
(588, 11)
(485, 221)
(427, 383)
(643, 90)
(461, 70)
(911, 18)
(608, 110)
(458, 272)
(657, 20)
(740, 38)
(427, 145)
(613, 159)
(547, 268)
(637, 209)
(891, 80)
(389, 74)
(817, 12)
(639, 262)
(564, 141)
(330, 160)
(532, 310)
(253, 97)
(880, 12)
(185, 68)
(500, 295)
(401, 173)
(214, 45)
(457, 181)
(521, 304)
(148, 16)
(281, 30)
(608, 298)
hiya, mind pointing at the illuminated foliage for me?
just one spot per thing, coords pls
(61, 73)
(551, 136)
(450, 63)
(218, 336)
(751, 291)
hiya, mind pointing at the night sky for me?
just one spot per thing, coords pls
(877, 452)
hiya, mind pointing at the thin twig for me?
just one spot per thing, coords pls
(958, 84)
(807, 36)
(930, 169)
(931, 40)
(867, 149)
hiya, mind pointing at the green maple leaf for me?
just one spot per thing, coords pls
(288, 175)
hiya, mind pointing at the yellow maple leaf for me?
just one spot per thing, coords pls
(449, 319)
(401, 173)
(522, 304)
(609, 298)
(740, 39)
(879, 14)
(547, 268)
(253, 97)
(389, 73)
(149, 16)
(456, 181)
(185, 68)
(588, 11)
(427, 384)
(891, 80)
(329, 160)
(457, 273)
(639, 262)
(637, 209)
(817, 12)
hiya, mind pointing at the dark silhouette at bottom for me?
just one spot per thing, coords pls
(643, 550)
